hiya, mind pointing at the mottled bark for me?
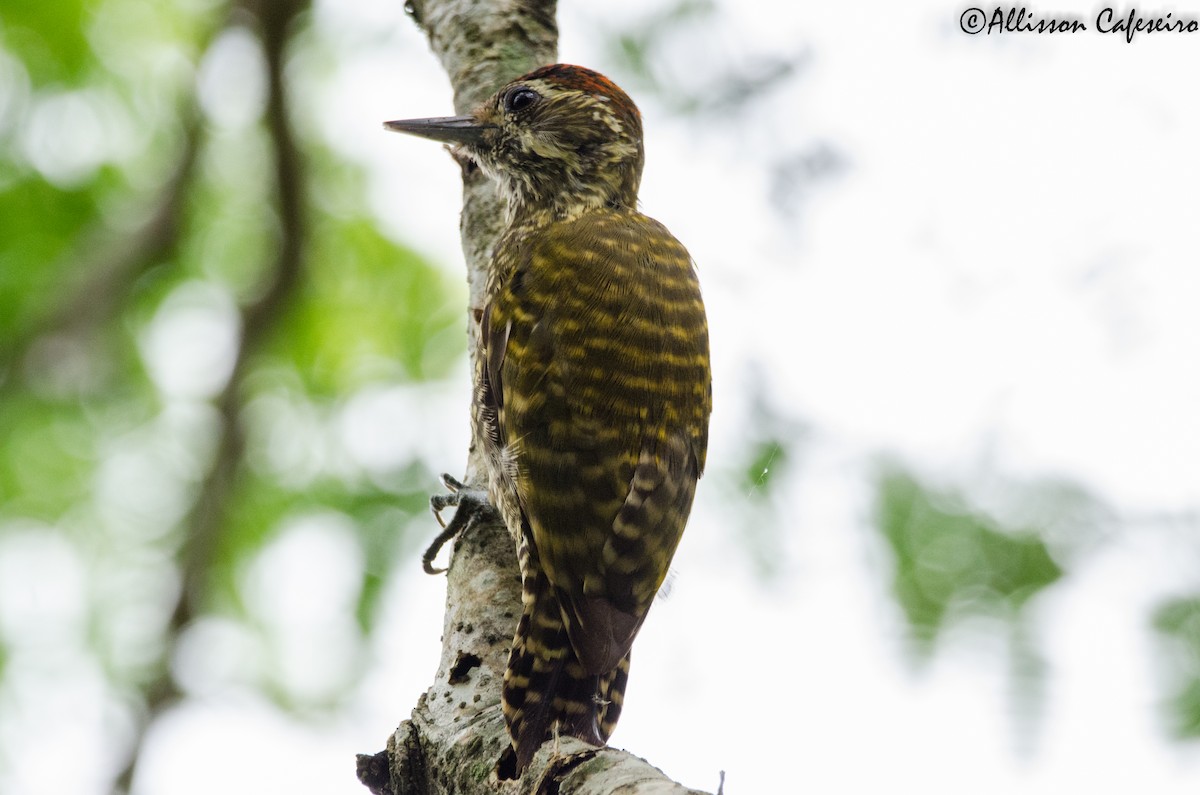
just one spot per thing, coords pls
(456, 734)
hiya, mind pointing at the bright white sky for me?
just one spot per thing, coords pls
(1005, 277)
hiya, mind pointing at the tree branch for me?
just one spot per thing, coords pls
(208, 515)
(273, 19)
(456, 733)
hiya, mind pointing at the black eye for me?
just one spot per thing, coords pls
(520, 98)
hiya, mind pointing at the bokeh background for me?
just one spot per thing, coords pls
(950, 535)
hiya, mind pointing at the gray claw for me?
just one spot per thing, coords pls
(471, 507)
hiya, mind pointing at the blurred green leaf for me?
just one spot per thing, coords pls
(759, 480)
(92, 256)
(50, 38)
(954, 562)
(261, 505)
(1178, 625)
(42, 224)
(387, 538)
(768, 459)
(757, 488)
(47, 454)
(371, 310)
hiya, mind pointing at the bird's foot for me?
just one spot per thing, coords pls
(471, 506)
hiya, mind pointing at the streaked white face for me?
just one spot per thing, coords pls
(560, 147)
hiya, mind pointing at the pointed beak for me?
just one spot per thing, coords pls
(448, 129)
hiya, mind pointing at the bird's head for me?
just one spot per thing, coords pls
(560, 140)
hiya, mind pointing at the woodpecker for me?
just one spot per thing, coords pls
(592, 391)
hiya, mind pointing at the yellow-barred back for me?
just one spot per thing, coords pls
(593, 392)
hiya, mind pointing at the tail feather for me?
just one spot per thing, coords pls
(612, 697)
(547, 691)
